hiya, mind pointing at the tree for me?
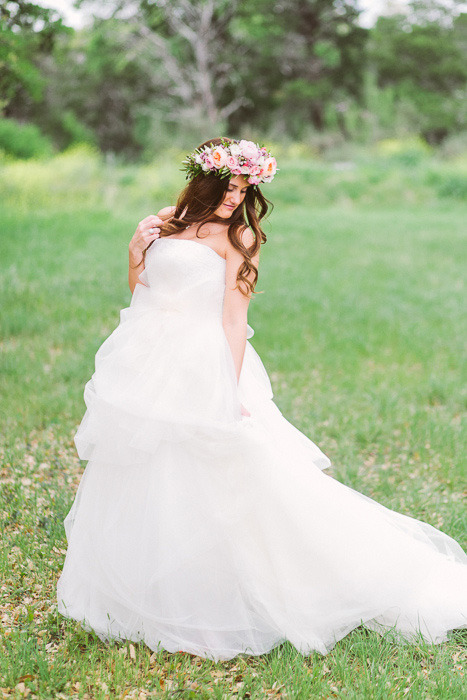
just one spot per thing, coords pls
(308, 55)
(189, 44)
(221, 62)
(423, 57)
(28, 32)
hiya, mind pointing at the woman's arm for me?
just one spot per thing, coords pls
(135, 268)
(141, 240)
(235, 310)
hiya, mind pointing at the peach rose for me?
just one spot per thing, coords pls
(219, 156)
(269, 167)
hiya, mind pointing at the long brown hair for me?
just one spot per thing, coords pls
(198, 202)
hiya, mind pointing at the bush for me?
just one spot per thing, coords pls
(454, 186)
(408, 151)
(23, 140)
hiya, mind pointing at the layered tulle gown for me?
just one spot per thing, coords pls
(198, 529)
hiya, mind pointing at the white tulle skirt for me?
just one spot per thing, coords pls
(196, 529)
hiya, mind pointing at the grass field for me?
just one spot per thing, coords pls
(362, 329)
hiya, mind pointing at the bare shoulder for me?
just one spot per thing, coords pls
(248, 238)
(166, 212)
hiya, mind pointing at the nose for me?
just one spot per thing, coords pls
(233, 198)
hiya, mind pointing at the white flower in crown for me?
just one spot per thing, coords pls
(232, 158)
(248, 149)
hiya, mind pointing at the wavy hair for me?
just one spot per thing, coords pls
(199, 200)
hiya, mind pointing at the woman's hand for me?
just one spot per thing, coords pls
(245, 411)
(146, 232)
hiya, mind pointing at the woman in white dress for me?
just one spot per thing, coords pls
(203, 521)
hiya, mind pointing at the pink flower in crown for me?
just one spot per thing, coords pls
(254, 180)
(255, 170)
(249, 149)
(231, 163)
(209, 160)
(245, 169)
(219, 156)
(236, 171)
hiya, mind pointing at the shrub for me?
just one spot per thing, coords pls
(454, 186)
(408, 151)
(23, 140)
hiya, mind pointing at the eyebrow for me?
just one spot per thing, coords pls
(245, 187)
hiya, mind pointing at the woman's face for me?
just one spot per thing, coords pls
(233, 197)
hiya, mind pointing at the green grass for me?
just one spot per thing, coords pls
(362, 330)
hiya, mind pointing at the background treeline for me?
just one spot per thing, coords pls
(173, 72)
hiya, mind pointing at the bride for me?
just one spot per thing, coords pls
(203, 521)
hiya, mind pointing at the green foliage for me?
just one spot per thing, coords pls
(81, 176)
(455, 187)
(27, 34)
(408, 151)
(17, 71)
(75, 130)
(304, 56)
(425, 61)
(395, 172)
(23, 140)
(451, 185)
(158, 75)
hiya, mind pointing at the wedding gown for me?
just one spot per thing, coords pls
(197, 529)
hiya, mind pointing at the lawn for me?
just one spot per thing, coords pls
(362, 329)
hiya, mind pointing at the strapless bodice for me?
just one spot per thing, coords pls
(185, 276)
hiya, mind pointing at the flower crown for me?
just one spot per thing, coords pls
(232, 158)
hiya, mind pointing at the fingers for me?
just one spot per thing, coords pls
(147, 231)
(151, 224)
(151, 220)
